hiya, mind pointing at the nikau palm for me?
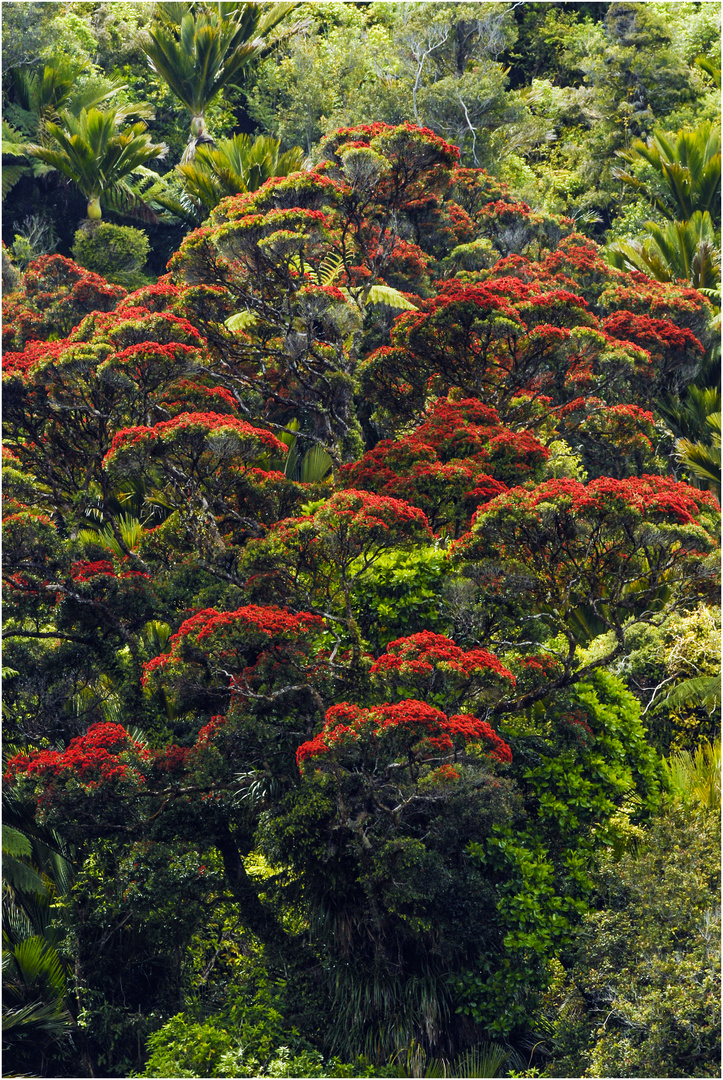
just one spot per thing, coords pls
(689, 165)
(97, 156)
(236, 165)
(702, 459)
(40, 97)
(682, 251)
(208, 50)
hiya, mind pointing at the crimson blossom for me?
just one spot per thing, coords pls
(619, 550)
(408, 735)
(55, 295)
(431, 666)
(313, 563)
(459, 457)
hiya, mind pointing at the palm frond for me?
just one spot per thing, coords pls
(682, 250)
(315, 465)
(234, 166)
(703, 690)
(689, 165)
(97, 154)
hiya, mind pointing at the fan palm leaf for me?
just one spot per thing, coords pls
(707, 64)
(39, 97)
(14, 161)
(484, 1060)
(703, 690)
(35, 1017)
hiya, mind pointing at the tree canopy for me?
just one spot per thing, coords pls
(360, 557)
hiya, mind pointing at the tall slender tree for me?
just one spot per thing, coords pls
(198, 49)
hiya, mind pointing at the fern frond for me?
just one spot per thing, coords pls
(385, 294)
(241, 321)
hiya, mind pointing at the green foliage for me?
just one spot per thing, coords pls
(487, 1059)
(41, 97)
(642, 993)
(702, 459)
(241, 1042)
(235, 165)
(436, 65)
(682, 250)
(199, 50)
(226, 913)
(402, 595)
(116, 252)
(184, 1048)
(36, 1023)
(578, 761)
(673, 670)
(696, 778)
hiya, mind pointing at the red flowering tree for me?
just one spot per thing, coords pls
(622, 551)
(231, 614)
(66, 401)
(412, 733)
(314, 563)
(504, 337)
(460, 457)
(618, 441)
(106, 784)
(202, 465)
(260, 665)
(431, 667)
(285, 253)
(389, 799)
(68, 622)
(55, 295)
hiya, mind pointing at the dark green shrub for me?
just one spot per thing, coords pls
(116, 252)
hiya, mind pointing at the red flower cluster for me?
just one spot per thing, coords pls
(21, 363)
(156, 664)
(56, 294)
(92, 758)
(194, 423)
(655, 335)
(409, 726)
(543, 663)
(268, 621)
(421, 653)
(85, 571)
(207, 733)
(644, 494)
(444, 466)
(171, 759)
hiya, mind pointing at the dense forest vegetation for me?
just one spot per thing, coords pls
(361, 520)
